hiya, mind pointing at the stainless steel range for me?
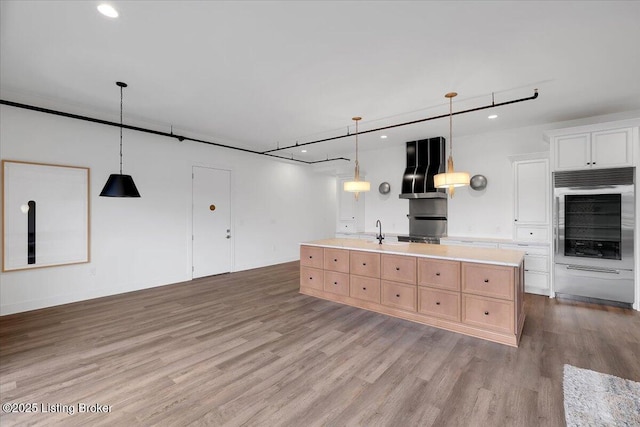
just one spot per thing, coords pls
(427, 204)
(594, 219)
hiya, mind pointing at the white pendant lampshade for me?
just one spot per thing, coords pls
(451, 179)
(455, 179)
(357, 186)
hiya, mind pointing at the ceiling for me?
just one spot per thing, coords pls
(263, 74)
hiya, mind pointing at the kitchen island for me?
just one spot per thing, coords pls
(473, 291)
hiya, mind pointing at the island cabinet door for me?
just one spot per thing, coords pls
(439, 273)
(365, 288)
(398, 268)
(336, 260)
(312, 256)
(364, 264)
(439, 303)
(488, 313)
(336, 283)
(399, 295)
(489, 280)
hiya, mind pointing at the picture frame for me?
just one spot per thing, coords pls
(45, 215)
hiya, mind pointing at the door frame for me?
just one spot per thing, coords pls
(231, 213)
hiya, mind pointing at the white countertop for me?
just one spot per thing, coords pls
(507, 257)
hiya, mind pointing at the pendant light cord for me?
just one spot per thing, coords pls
(451, 126)
(357, 163)
(120, 130)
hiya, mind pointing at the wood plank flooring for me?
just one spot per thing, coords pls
(247, 349)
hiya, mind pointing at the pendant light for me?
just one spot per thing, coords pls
(356, 186)
(451, 179)
(119, 185)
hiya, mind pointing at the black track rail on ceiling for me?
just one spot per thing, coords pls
(441, 116)
(159, 133)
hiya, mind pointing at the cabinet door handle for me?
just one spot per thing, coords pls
(593, 163)
(335, 283)
(310, 278)
(486, 280)
(364, 289)
(364, 263)
(310, 256)
(437, 302)
(486, 313)
(437, 274)
(335, 260)
(397, 295)
(397, 268)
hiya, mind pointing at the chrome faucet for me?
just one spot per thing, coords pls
(380, 237)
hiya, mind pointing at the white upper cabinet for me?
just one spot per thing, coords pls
(531, 182)
(611, 148)
(602, 149)
(573, 151)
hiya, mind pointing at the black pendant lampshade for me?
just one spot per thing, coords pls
(119, 185)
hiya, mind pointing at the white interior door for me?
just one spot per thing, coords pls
(211, 192)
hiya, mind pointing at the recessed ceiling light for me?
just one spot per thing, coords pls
(493, 116)
(303, 151)
(107, 10)
(383, 136)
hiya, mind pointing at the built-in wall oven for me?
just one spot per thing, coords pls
(593, 232)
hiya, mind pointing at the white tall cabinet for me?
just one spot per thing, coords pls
(531, 232)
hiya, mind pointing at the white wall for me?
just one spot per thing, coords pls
(146, 242)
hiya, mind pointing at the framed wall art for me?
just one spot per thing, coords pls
(45, 215)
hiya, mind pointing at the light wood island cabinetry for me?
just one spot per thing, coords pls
(477, 292)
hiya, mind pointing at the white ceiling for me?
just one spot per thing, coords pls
(258, 74)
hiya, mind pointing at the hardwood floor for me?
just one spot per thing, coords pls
(247, 349)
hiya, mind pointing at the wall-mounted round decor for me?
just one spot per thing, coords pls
(384, 188)
(478, 182)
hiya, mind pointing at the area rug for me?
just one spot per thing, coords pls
(595, 399)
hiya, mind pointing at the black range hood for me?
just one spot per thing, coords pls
(425, 158)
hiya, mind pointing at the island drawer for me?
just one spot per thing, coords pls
(312, 278)
(365, 288)
(488, 280)
(336, 283)
(399, 295)
(439, 273)
(399, 268)
(311, 256)
(439, 303)
(488, 313)
(336, 260)
(365, 264)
